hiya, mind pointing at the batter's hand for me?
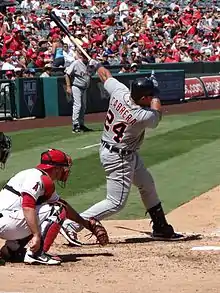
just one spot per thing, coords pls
(69, 90)
(35, 243)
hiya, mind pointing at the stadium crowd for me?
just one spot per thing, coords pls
(123, 32)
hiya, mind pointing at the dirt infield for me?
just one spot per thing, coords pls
(8, 126)
(131, 263)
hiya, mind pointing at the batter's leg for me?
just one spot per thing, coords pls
(77, 103)
(119, 174)
(145, 183)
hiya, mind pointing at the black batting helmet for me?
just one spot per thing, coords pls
(143, 87)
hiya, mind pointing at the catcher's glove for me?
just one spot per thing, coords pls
(99, 231)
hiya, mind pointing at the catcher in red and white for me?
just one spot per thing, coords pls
(31, 212)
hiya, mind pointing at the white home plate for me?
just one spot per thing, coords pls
(205, 248)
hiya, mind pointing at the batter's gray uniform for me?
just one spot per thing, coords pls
(78, 71)
(124, 130)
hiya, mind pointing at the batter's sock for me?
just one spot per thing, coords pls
(158, 218)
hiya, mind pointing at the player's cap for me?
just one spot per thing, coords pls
(143, 87)
(54, 158)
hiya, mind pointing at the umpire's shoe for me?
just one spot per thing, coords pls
(42, 258)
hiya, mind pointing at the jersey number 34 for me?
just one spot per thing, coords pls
(117, 128)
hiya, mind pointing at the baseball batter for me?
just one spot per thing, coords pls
(31, 211)
(77, 81)
(131, 113)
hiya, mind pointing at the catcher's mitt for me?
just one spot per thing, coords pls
(99, 231)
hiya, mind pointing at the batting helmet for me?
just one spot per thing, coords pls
(143, 87)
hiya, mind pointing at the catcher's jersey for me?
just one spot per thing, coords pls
(126, 122)
(29, 181)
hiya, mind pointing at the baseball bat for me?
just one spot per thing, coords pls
(66, 31)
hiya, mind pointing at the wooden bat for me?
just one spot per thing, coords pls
(63, 28)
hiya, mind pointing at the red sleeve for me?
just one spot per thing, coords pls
(28, 201)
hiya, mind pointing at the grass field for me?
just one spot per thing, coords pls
(183, 155)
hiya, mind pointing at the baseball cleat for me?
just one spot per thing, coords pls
(43, 258)
(162, 237)
(70, 236)
(166, 233)
(76, 129)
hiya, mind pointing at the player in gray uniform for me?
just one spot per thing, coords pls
(130, 114)
(77, 81)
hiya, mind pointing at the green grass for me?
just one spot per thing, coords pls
(182, 153)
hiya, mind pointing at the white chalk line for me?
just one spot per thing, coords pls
(89, 146)
(205, 248)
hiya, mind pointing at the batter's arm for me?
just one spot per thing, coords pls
(156, 105)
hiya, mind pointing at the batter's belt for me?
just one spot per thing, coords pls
(114, 149)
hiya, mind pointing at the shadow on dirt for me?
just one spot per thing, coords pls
(76, 257)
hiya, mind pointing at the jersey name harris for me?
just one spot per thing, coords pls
(123, 111)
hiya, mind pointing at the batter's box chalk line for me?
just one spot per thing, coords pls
(205, 248)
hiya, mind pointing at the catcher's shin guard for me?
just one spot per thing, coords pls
(52, 226)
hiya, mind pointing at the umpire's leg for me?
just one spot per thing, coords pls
(77, 94)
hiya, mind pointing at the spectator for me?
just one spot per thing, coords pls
(68, 55)
(134, 68)
(57, 51)
(47, 71)
(128, 32)
(105, 59)
(125, 68)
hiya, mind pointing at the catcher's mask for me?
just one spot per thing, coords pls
(56, 159)
(5, 149)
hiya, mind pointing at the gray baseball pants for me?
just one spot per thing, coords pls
(121, 172)
(79, 105)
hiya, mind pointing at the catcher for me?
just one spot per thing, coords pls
(31, 212)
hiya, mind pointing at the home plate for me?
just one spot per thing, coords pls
(205, 248)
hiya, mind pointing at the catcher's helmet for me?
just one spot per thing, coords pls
(143, 87)
(55, 158)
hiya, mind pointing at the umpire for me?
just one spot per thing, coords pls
(77, 82)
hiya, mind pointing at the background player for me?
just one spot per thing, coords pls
(130, 114)
(77, 81)
(32, 212)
